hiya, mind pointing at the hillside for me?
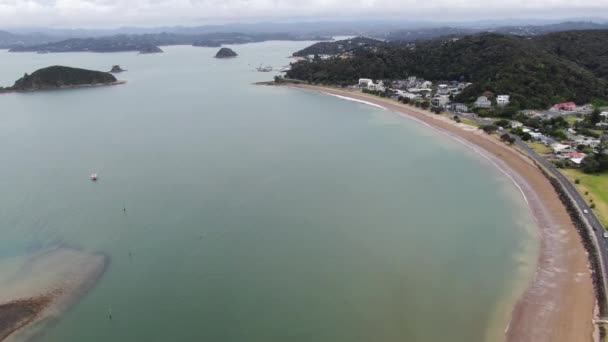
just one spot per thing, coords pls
(587, 48)
(61, 76)
(526, 68)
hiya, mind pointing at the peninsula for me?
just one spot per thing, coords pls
(226, 53)
(59, 77)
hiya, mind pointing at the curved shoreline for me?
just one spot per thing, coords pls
(558, 303)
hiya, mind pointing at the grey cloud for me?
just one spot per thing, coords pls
(166, 12)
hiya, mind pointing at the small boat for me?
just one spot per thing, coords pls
(264, 69)
(93, 176)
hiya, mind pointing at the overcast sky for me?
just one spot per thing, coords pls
(102, 13)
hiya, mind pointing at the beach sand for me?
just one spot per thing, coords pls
(35, 290)
(558, 304)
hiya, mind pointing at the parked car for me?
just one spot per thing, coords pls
(586, 211)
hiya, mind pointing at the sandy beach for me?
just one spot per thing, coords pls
(37, 289)
(559, 301)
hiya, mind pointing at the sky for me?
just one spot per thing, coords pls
(115, 13)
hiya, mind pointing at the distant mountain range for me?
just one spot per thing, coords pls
(385, 30)
(536, 71)
(151, 42)
(412, 35)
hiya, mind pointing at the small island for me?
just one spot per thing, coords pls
(59, 77)
(117, 69)
(226, 53)
(150, 49)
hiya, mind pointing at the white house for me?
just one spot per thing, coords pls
(369, 84)
(377, 87)
(460, 107)
(516, 124)
(557, 148)
(502, 100)
(365, 82)
(427, 84)
(441, 100)
(587, 142)
(483, 102)
(442, 89)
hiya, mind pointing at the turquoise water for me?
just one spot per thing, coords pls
(253, 213)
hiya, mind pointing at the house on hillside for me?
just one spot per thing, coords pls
(483, 102)
(502, 100)
(569, 106)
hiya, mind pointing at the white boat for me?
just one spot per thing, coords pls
(264, 69)
(93, 176)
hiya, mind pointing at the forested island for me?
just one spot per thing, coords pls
(58, 77)
(536, 71)
(226, 53)
(116, 69)
(150, 49)
(151, 42)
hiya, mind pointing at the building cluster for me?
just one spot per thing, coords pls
(418, 89)
(485, 102)
(573, 149)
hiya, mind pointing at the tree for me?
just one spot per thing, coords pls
(405, 100)
(488, 128)
(507, 138)
(595, 117)
(503, 123)
(425, 105)
(590, 165)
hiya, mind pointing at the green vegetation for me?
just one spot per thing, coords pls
(489, 128)
(597, 161)
(539, 147)
(333, 48)
(61, 76)
(537, 72)
(571, 119)
(596, 189)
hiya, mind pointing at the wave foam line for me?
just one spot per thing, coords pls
(355, 100)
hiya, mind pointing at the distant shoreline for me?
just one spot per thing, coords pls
(558, 304)
(90, 85)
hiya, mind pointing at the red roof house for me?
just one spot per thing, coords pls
(564, 106)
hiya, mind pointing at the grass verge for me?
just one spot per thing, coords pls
(592, 187)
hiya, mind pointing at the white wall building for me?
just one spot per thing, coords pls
(502, 100)
(483, 102)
